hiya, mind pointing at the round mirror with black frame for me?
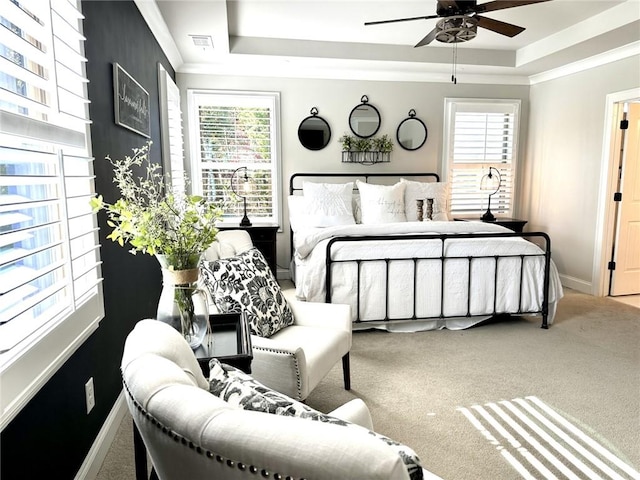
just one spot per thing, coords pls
(412, 132)
(314, 132)
(364, 119)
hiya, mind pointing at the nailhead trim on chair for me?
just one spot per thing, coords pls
(178, 438)
(295, 360)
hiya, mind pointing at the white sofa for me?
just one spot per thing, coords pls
(295, 359)
(192, 434)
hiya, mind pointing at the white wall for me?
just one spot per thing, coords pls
(562, 169)
(335, 100)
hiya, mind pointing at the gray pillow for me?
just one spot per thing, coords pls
(245, 283)
(243, 391)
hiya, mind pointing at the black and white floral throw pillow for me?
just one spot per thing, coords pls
(245, 283)
(242, 391)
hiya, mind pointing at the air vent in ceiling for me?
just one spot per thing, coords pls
(202, 41)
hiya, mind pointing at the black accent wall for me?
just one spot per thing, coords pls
(52, 435)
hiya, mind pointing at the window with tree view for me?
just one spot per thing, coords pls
(230, 130)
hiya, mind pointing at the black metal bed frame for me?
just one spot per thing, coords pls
(442, 258)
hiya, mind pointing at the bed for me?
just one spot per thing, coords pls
(362, 239)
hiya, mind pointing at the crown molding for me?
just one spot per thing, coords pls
(151, 14)
(333, 69)
(633, 49)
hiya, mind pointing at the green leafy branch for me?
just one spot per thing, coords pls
(151, 218)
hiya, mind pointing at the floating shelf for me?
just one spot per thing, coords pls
(366, 158)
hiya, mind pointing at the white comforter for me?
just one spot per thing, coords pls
(310, 247)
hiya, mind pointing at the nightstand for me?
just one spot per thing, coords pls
(263, 237)
(511, 223)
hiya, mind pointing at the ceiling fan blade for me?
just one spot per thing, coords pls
(502, 4)
(428, 39)
(379, 22)
(497, 26)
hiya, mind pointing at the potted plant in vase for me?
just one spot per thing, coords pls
(382, 145)
(175, 227)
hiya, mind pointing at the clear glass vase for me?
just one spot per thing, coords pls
(182, 304)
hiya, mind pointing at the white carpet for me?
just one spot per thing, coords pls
(506, 400)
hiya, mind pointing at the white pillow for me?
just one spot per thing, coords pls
(297, 212)
(382, 203)
(328, 204)
(357, 208)
(439, 191)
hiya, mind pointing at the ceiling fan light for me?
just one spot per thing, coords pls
(456, 29)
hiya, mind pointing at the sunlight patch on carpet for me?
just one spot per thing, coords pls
(539, 443)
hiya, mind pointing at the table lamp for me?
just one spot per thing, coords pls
(490, 182)
(246, 189)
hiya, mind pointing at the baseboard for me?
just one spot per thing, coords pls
(576, 284)
(93, 461)
(283, 274)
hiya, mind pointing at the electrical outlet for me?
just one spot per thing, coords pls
(89, 395)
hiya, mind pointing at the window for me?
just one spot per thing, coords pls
(50, 296)
(230, 130)
(480, 134)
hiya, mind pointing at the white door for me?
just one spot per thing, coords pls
(625, 278)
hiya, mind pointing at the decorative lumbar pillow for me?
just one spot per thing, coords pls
(242, 391)
(245, 283)
(382, 203)
(438, 191)
(328, 204)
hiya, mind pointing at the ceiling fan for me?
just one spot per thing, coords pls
(460, 19)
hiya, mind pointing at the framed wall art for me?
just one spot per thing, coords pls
(131, 102)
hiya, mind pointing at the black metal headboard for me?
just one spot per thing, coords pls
(295, 182)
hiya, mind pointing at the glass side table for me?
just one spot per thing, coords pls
(229, 342)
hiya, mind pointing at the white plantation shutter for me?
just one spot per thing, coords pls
(232, 130)
(480, 134)
(171, 131)
(50, 295)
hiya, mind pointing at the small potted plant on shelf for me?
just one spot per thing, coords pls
(347, 142)
(175, 227)
(363, 144)
(382, 144)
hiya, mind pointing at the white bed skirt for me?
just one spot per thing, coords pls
(420, 325)
(403, 300)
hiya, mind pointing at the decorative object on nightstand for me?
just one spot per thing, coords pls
(246, 189)
(490, 183)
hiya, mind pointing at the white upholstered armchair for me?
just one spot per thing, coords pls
(295, 359)
(191, 433)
